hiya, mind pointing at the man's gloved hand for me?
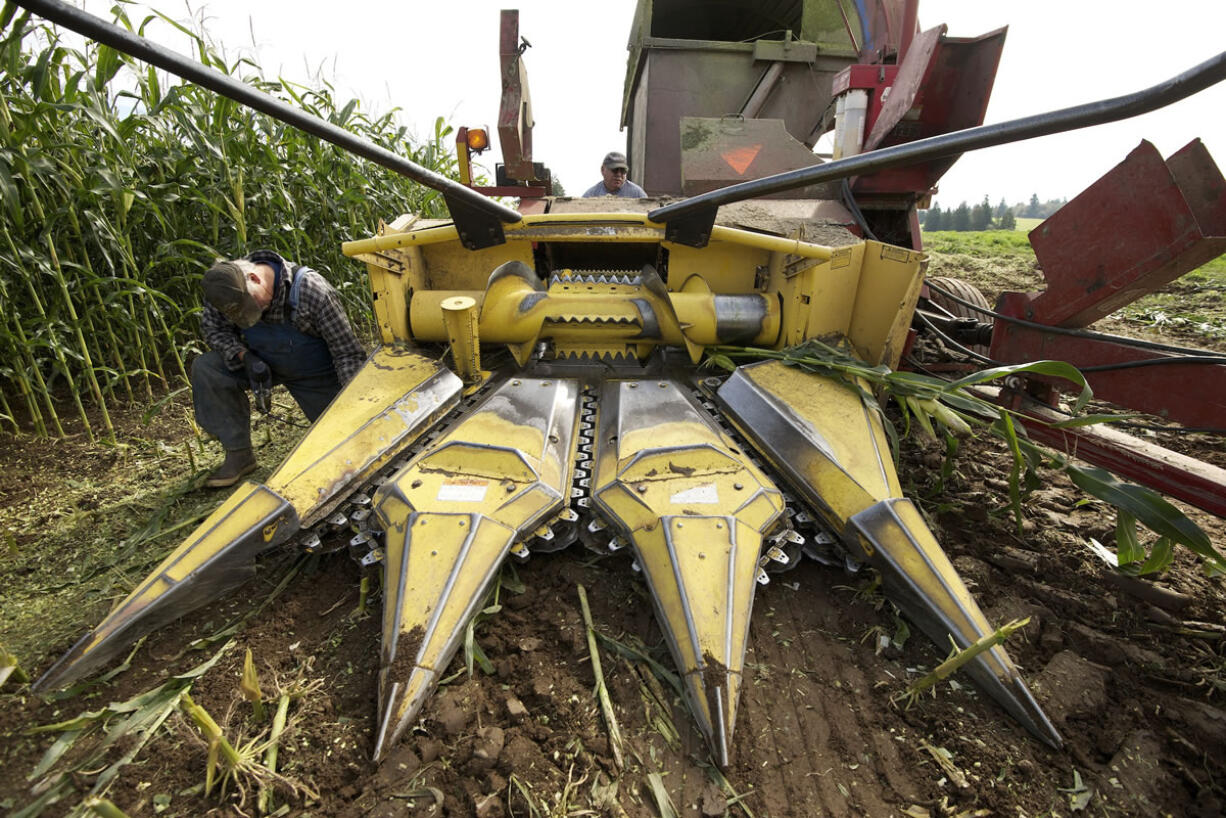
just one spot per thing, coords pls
(260, 376)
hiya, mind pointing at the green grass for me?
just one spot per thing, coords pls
(981, 244)
(1191, 309)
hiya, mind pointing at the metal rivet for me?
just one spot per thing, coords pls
(461, 523)
(702, 555)
(662, 385)
(416, 484)
(642, 488)
(737, 486)
(719, 525)
(514, 383)
(634, 386)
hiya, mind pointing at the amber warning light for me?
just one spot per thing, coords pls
(478, 139)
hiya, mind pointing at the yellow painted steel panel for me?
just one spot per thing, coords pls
(727, 268)
(890, 283)
(919, 557)
(831, 290)
(860, 469)
(393, 398)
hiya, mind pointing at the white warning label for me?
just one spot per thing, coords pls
(705, 494)
(463, 491)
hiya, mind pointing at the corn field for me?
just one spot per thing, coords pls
(121, 187)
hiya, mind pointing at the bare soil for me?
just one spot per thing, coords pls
(1132, 671)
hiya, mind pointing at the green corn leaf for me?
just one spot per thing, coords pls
(1127, 549)
(1160, 557)
(1147, 506)
(1091, 420)
(1053, 369)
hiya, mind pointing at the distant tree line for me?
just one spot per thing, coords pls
(984, 216)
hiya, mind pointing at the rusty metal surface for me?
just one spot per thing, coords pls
(515, 109)
(693, 82)
(1191, 393)
(725, 151)
(1143, 224)
(943, 85)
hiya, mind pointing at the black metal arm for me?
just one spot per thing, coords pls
(478, 218)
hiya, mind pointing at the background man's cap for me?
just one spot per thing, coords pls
(614, 160)
(225, 288)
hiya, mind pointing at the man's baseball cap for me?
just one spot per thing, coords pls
(614, 160)
(225, 288)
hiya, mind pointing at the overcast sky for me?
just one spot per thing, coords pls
(441, 59)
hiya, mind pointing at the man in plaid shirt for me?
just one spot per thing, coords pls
(267, 321)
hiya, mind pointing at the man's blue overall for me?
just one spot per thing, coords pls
(302, 362)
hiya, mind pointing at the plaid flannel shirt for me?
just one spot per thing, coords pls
(319, 313)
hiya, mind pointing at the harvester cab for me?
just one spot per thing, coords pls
(573, 407)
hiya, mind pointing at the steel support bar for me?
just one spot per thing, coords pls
(515, 109)
(692, 213)
(1189, 389)
(1184, 478)
(123, 40)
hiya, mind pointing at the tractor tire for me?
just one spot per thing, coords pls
(967, 292)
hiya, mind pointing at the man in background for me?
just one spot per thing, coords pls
(615, 182)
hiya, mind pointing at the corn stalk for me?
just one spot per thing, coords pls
(119, 187)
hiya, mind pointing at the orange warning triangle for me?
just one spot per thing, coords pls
(739, 159)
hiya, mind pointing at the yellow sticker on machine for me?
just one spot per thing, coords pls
(892, 253)
(840, 258)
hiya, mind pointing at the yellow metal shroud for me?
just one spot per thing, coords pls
(703, 519)
(396, 396)
(744, 287)
(830, 444)
(451, 516)
(696, 512)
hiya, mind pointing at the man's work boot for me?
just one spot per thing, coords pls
(237, 463)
